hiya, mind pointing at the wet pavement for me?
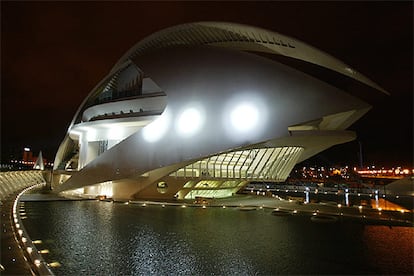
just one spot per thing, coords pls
(12, 259)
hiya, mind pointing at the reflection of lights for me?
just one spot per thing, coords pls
(156, 129)
(189, 122)
(54, 264)
(244, 117)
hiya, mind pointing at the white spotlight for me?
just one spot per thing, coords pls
(244, 117)
(189, 122)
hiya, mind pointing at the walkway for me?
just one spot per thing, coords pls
(12, 259)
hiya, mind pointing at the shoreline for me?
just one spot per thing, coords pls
(366, 216)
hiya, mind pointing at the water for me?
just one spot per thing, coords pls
(102, 238)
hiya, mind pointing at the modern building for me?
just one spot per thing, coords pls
(201, 110)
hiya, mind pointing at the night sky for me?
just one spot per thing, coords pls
(54, 53)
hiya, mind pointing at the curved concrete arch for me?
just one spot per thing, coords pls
(241, 37)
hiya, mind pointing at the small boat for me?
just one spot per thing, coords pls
(247, 208)
(278, 212)
(324, 218)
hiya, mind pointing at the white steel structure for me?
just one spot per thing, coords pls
(201, 110)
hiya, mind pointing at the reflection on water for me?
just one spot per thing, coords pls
(89, 237)
(390, 249)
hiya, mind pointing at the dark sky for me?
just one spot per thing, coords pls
(54, 53)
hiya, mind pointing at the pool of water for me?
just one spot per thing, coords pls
(91, 237)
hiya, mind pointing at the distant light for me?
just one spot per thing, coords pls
(26, 149)
(349, 70)
(29, 250)
(44, 251)
(37, 262)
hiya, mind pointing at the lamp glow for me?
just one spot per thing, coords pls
(244, 117)
(189, 122)
(156, 129)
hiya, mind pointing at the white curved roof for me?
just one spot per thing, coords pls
(241, 37)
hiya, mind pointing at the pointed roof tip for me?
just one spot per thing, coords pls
(39, 164)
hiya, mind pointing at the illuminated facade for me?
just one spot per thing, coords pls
(200, 110)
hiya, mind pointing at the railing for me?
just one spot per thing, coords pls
(14, 181)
